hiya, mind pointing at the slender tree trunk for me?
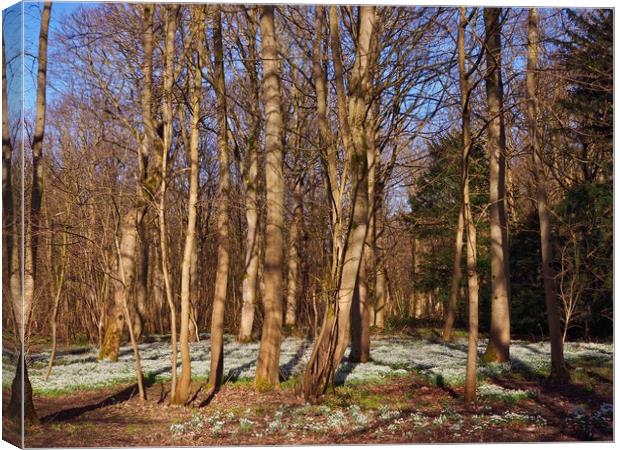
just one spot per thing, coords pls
(170, 30)
(185, 380)
(380, 287)
(292, 291)
(30, 243)
(294, 255)
(558, 368)
(221, 278)
(251, 182)
(450, 315)
(132, 336)
(334, 336)
(360, 317)
(360, 313)
(142, 281)
(59, 284)
(267, 368)
(468, 222)
(8, 236)
(498, 349)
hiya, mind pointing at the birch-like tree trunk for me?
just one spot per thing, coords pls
(498, 349)
(558, 368)
(267, 368)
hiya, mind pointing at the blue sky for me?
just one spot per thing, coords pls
(12, 27)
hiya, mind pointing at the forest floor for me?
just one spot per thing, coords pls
(411, 392)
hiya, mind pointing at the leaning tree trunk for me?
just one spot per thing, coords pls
(558, 368)
(267, 368)
(498, 349)
(334, 336)
(468, 222)
(223, 249)
(185, 380)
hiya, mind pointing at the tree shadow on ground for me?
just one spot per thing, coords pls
(118, 397)
(554, 395)
(286, 370)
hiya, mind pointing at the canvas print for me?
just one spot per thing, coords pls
(237, 224)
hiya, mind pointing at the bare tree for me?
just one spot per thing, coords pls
(334, 336)
(184, 383)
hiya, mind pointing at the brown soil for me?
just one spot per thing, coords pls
(116, 417)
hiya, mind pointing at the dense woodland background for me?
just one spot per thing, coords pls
(239, 141)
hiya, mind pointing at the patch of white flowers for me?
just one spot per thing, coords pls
(391, 356)
(386, 413)
(494, 391)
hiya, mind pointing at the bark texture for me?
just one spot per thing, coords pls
(334, 336)
(558, 368)
(251, 183)
(498, 349)
(468, 222)
(216, 371)
(185, 380)
(267, 368)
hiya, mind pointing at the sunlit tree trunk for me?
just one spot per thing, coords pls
(221, 278)
(21, 391)
(131, 221)
(380, 285)
(170, 32)
(468, 222)
(498, 349)
(334, 336)
(185, 380)
(292, 291)
(267, 368)
(558, 368)
(251, 182)
(140, 314)
(360, 310)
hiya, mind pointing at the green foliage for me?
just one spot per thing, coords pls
(585, 239)
(528, 310)
(586, 53)
(435, 206)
